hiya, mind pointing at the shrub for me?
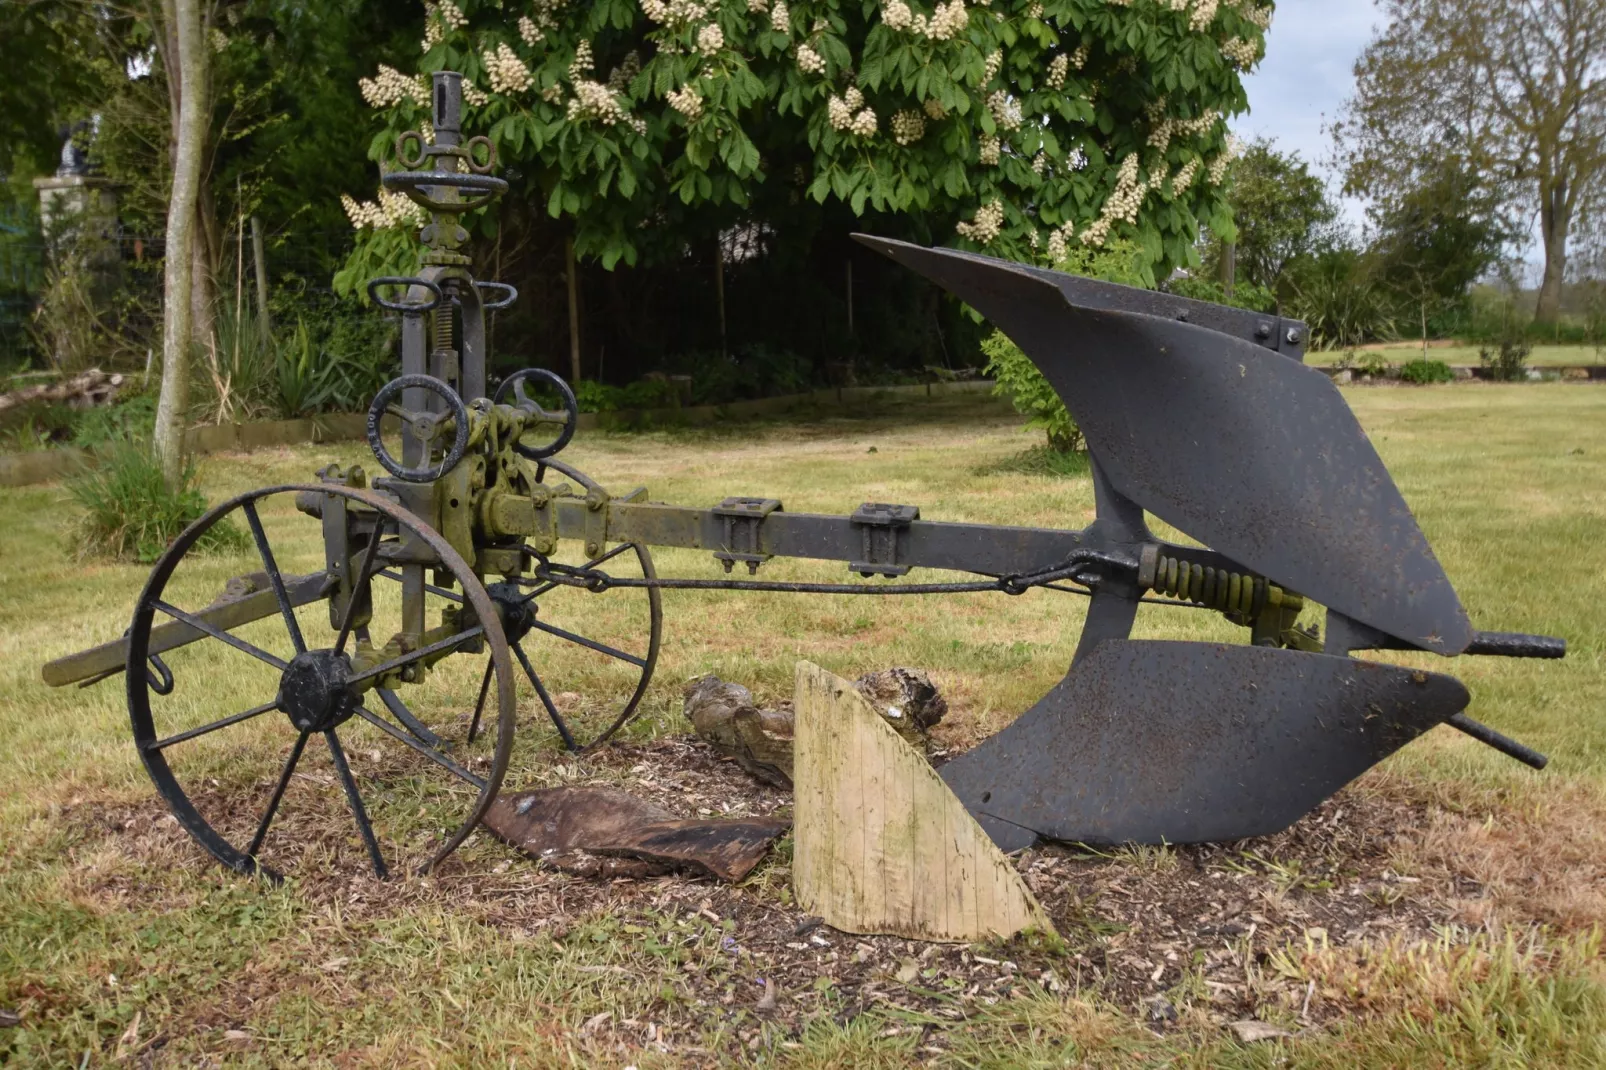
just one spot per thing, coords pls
(1508, 363)
(1421, 372)
(1341, 302)
(332, 363)
(130, 511)
(1031, 394)
(1019, 379)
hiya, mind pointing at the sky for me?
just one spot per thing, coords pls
(1306, 76)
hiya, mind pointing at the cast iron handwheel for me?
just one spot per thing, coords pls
(569, 417)
(426, 812)
(425, 425)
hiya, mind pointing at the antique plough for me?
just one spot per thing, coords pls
(1200, 415)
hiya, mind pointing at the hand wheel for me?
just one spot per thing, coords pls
(425, 426)
(569, 417)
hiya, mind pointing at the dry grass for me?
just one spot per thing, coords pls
(1441, 912)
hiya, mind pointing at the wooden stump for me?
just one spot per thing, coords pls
(882, 846)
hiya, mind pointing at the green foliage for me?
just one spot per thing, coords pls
(1281, 212)
(1422, 372)
(1244, 294)
(1341, 302)
(332, 363)
(131, 513)
(646, 130)
(1019, 379)
(1508, 362)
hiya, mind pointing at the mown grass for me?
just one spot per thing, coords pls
(1396, 353)
(119, 940)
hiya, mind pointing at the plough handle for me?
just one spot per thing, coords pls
(1504, 744)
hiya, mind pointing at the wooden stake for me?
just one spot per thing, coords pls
(574, 310)
(719, 290)
(259, 257)
(882, 846)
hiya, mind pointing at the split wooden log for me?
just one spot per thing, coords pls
(760, 740)
(84, 390)
(881, 845)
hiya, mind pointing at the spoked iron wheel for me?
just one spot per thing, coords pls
(589, 657)
(330, 733)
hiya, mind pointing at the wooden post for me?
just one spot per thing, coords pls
(850, 298)
(259, 257)
(719, 290)
(882, 846)
(574, 310)
(1229, 268)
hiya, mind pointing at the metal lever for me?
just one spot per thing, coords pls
(1504, 744)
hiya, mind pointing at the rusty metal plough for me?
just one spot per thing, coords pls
(1200, 415)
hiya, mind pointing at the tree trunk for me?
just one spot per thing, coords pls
(178, 292)
(1555, 219)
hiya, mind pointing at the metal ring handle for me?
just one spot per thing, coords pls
(512, 295)
(411, 163)
(404, 306)
(490, 154)
(571, 410)
(381, 406)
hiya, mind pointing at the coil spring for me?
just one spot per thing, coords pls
(1230, 592)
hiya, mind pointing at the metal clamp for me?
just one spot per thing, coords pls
(743, 518)
(880, 526)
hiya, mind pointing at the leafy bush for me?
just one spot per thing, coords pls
(1421, 372)
(1244, 294)
(1508, 363)
(1031, 394)
(1019, 379)
(133, 417)
(1340, 302)
(130, 511)
(332, 363)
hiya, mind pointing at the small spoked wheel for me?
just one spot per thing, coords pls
(427, 427)
(587, 657)
(314, 716)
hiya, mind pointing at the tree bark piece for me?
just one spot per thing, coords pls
(760, 741)
(85, 390)
(604, 832)
(882, 846)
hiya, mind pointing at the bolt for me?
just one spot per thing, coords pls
(1263, 331)
(593, 549)
(1294, 337)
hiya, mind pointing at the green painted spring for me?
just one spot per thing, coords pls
(1230, 592)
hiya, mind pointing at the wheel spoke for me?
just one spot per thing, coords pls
(356, 585)
(590, 644)
(278, 793)
(431, 588)
(274, 578)
(398, 709)
(422, 652)
(546, 699)
(479, 704)
(357, 810)
(429, 752)
(255, 711)
(218, 633)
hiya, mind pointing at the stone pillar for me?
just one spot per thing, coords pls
(78, 216)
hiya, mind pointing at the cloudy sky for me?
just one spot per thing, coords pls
(1307, 74)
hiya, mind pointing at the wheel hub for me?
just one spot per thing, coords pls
(517, 613)
(313, 691)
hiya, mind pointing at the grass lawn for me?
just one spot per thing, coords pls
(1404, 352)
(1443, 911)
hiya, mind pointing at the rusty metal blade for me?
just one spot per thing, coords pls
(1163, 742)
(1244, 449)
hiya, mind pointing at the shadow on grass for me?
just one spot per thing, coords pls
(1039, 461)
